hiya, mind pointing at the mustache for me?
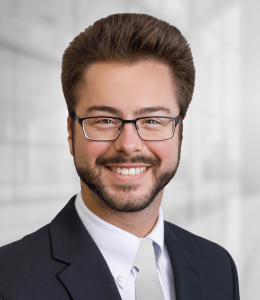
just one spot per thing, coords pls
(121, 159)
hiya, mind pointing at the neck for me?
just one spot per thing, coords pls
(139, 224)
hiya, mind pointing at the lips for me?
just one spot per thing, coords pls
(126, 171)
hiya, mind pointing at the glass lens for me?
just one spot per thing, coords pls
(101, 128)
(156, 128)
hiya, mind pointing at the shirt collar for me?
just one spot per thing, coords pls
(118, 247)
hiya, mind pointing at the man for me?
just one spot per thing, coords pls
(127, 81)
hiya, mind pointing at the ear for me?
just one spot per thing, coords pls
(69, 135)
(182, 137)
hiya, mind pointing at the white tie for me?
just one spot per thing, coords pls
(147, 282)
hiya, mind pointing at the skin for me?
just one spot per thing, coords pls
(128, 88)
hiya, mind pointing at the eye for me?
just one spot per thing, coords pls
(104, 121)
(152, 121)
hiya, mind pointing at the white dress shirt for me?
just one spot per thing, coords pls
(119, 248)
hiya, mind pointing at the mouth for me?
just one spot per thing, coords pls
(128, 171)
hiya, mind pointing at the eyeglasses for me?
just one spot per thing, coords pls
(108, 129)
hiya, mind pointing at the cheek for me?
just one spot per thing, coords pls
(89, 150)
(95, 149)
(167, 151)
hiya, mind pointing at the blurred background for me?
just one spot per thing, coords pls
(216, 192)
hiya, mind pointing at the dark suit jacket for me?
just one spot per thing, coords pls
(60, 261)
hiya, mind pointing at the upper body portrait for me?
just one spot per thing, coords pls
(128, 81)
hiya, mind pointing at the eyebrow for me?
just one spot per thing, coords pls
(109, 109)
(145, 110)
(116, 111)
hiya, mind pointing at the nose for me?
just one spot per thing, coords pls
(128, 141)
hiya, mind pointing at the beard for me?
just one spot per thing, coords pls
(92, 178)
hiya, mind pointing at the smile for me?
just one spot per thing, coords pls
(125, 171)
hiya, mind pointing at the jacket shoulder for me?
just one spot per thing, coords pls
(214, 262)
(27, 267)
(24, 255)
(34, 242)
(204, 246)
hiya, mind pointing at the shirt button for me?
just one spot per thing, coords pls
(121, 278)
(161, 265)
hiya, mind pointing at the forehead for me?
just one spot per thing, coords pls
(128, 87)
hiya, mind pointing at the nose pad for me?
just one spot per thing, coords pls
(136, 128)
(121, 127)
(129, 141)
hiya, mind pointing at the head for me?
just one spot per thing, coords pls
(127, 62)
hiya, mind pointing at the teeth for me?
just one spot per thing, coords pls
(131, 171)
(125, 171)
(137, 170)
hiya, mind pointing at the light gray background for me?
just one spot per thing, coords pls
(215, 193)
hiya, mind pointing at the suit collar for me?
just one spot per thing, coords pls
(186, 266)
(87, 274)
(121, 253)
(118, 247)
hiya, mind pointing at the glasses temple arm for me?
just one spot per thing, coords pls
(74, 115)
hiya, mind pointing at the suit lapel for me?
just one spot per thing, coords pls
(187, 272)
(87, 275)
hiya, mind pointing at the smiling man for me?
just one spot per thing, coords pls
(124, 167)
(127, 81)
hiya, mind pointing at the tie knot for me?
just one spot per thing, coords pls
(145, 254)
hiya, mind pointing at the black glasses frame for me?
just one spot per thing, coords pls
(81, 120)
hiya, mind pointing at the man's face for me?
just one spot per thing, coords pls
(131, 91)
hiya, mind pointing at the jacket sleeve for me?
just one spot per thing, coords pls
(236, 285)
(235, 278)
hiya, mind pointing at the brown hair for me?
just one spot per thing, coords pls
(129, 38)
